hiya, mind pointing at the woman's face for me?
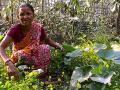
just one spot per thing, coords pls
(25, 16)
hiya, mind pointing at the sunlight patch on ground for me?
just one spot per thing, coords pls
(116, 47)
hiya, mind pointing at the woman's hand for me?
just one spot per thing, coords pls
(60, 47)
(12, 71)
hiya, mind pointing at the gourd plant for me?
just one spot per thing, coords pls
(91, 67)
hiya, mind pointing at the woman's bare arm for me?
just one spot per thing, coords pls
(52, 43)
(4, 43)
(12, 71)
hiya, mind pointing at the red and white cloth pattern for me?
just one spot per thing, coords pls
(35, 53)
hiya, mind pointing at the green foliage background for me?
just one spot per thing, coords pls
(73, 26)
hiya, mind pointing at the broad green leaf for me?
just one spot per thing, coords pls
(74, 53)
(101, 79)
(116, 49)
(117, 61)
(112, 54)
(68, 48)
(97, 69)
(96, 86)
(107, 54)
(117, 53)
(80, 74)
(67, 61)
(99, 46)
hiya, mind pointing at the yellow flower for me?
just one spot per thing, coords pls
(59, 79)
(63, 74)
(78, 84)
(12, 78)
(49, 78)
(50, 86)
(33, 74)
(35, 87)
(7, 78)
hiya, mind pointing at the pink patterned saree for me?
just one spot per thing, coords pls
(35, 54)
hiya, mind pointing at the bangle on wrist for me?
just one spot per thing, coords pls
(6, 62)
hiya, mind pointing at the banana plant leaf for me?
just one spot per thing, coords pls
(80, 74)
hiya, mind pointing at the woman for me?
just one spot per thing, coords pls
(28, 39)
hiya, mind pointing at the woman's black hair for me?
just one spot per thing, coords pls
(27, 5)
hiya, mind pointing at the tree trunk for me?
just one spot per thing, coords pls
(42, 5)
(118, 22)
(0, 9)
(12, 12)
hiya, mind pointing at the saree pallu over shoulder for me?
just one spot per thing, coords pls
(35, 54)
